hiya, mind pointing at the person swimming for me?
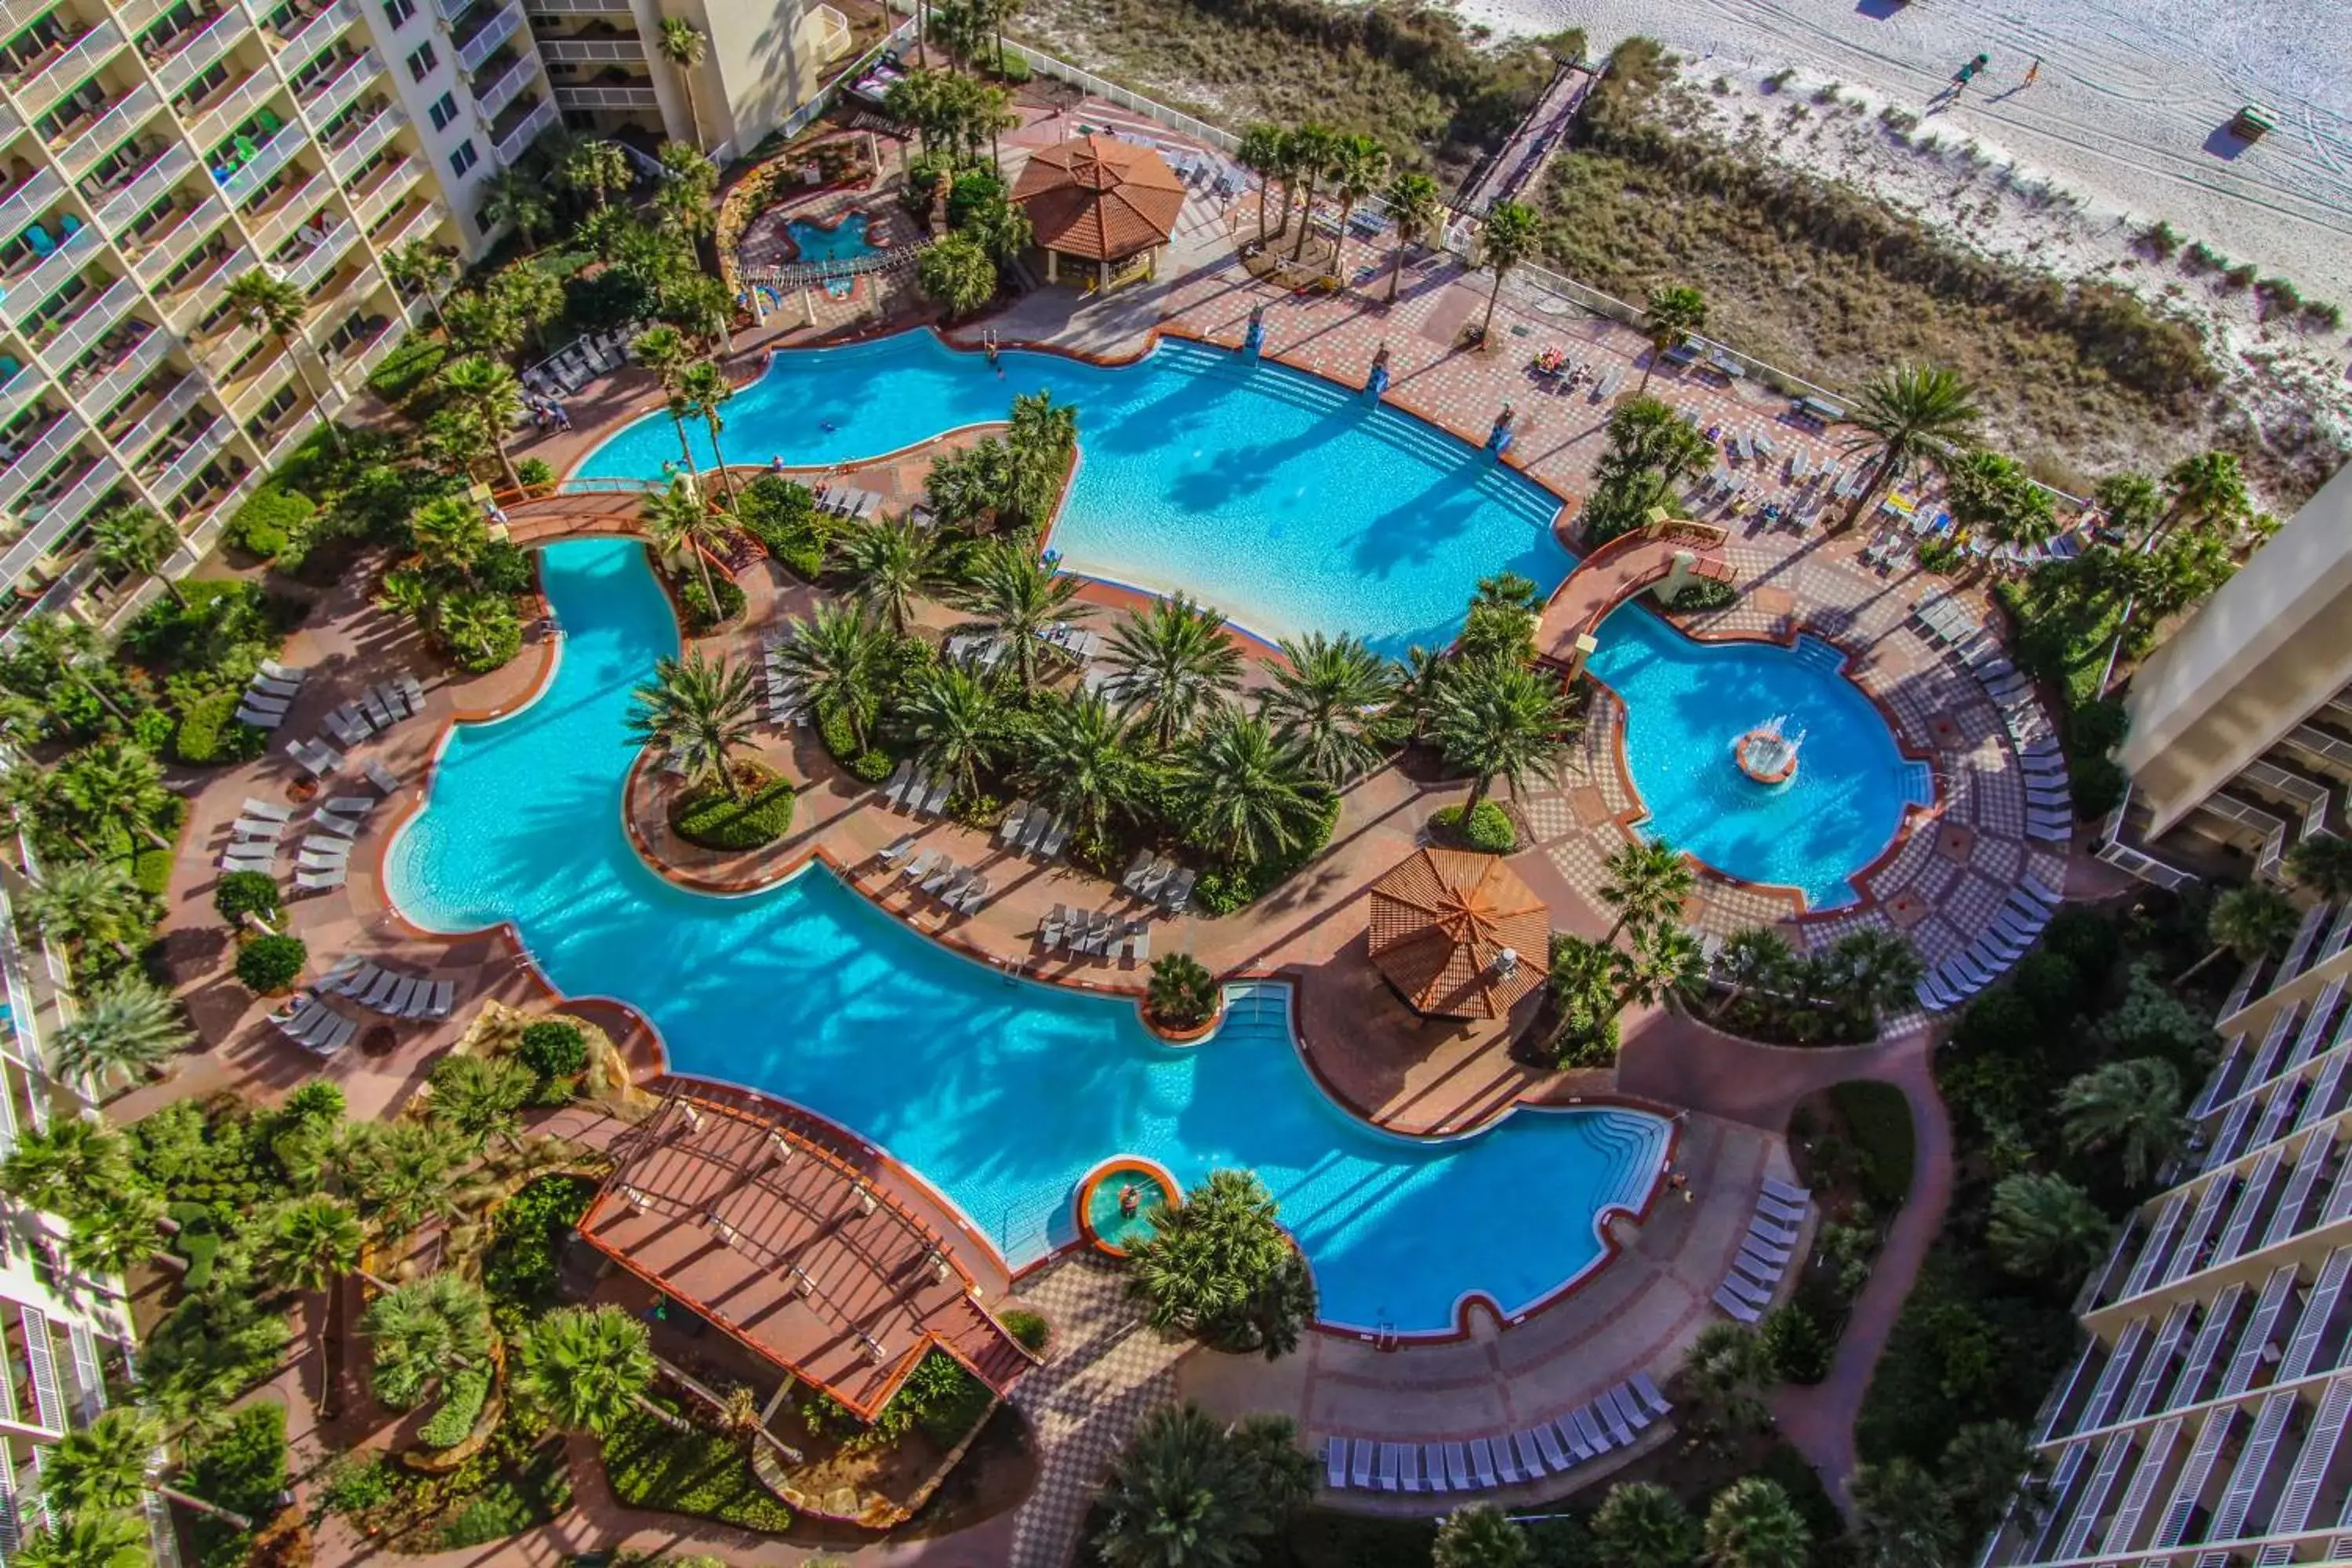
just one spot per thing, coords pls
(1130, 1201)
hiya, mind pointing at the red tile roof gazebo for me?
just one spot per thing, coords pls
(1458, 934)
(1098, 200)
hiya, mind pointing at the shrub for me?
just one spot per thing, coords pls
(2098, 785)
(1222, 889)
(537, 474)
(151, 871)
(1489, 830)
(709, 817)
(357, 1483)
(267, 522)
(699, 616)
(2160, 239)
(1706, 593)
(1795, 1345)
(242, 1470)
(496, 640)
(553, 1048)
(461, 1406)
(268, 964)
(408, 369)
(1183, 993)
(1025, 1326)
(1012, 69)
(503, 568)
(841, 741)
(519, 1270)
(243, 893)
(1878, 1124)
(695, 1472)
(209, 731)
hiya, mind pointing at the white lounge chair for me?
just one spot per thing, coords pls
(916, 869)
(1735, 1308)
(267, 810)
(1648, 1389)
(382, 777)
(265, 830)
(259, 720)
(318, 882)
(891, 854)
(1015, 818)
(942, 786)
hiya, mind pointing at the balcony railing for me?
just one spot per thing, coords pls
(256, 171)
(146, 188)
(194, 296)
(39, 455)
(320, 31)
(324, 255)
(428, 216)
(91, 324)
(128, 372)
(398, 178)
(11, 122)
(517, 142)
(183, 469)
(502, 23)
(492, 96)
(29, 200)
(60, 519)
(180, 235)
(379, 129)
(37, 287)
(354, 366)
(211, 123)
(594, 51)
(46, 84)
(577, 7)
(257, 385)
(134, 15)
(19, 389)
(16, 16)
(191, 55)
(128, 113)
(325, 102)
(606, 98)
(151, 425)
(290, 210)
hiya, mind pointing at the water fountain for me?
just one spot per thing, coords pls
(1767, 753)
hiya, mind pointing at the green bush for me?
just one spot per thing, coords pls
(708, 815)
(1222, 889)
(698, 1472)
(357, 1483)
(537, 474)
(268, 520)
(461, 1406)
(519, 1270)
(1795, 1345)
(1012, 69)
(699, 616)
(242, 1470)
(552, 1048)
(498, 639)
(408, 369)
(269, 964)
(1706, 593)
(1489, 830)
(202, 1250)
(503, 568)
(243, 893)
(2098, 785)
(1025, 1326)
(841, 743)
(151, 871)
(209, 731)
(1878, 1124)
(781, 515)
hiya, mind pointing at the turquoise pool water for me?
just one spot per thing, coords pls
(845, 241)
(1002, 1094)
(1279, 498)
(1686, 702)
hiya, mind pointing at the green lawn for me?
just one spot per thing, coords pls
(697, 1472)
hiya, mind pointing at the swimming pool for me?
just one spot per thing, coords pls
(1285, 501)
(1002, 1094)
(843, 241)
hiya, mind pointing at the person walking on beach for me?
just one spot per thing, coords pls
(1968, 73)
(2033, 70)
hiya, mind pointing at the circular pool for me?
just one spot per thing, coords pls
(1115, 1201)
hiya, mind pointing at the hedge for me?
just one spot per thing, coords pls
(1489, 831)
(268, 520)
(1878, 1124)
(699, 617)
(552, 1048)
(242, 1470)
(151, 871)
(708, 815)
(461, 1406)
(695, 1472)
(867, 767)
(269, 964)
(209, 732)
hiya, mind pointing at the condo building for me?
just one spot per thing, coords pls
(2204, 1424)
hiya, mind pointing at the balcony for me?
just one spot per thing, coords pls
(526, 129)
(829, 35)
(134, 110)
(135, 16)
(146, 187)
(259, 381)
(37, 453)
(29, 200)
(75, 338)
(323, 103)
(382, 190)
(191, 52)
(16, 16)
(262, 167)
(39, 284)
(298, 203)
(361, 140)
(115, 382)
(21, 385)
(483, 27)
(421, 220)
(606, 96)
(594, 51)
(578, 7)
(11, 123)
(308, 40)
(60, 519)
(505, 86)
(46, 80)
(211, 119)
(322, 258)
(184, 467)
(172, 243)
(195, 296)
(352, 368)
(148, 425)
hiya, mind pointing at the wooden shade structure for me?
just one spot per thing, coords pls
(1099, 201)
(1458, 934)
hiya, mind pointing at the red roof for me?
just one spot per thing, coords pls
(1459, 935)
(1099, 198)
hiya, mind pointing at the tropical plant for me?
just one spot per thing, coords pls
(585, 1368)
(2131, 504)
(514, 199)
(1328, 702)
(398, 1173)
(1310, 146)
(124, 1025)
(683, 46)
(1753, 957)
(2255, 922)
(837, 657)
(1174, 659)
(699, 713)
(664, 353)
(79, 902)
(1479, 1535)
(1077, 763)
(703, 390)
(1414, 207)
(1723, 1375)
(1039, 439)
(1902, 1517)
(263, 301)
(1262, 153)
(1993, 493)
(108, 1467)
(1904, 414)
(1495, 718)
(87, 1538)
(310, 1244)
(594, 168)
(1188, 1493)
(451, 534)
(1013, 594)
(1869, 970)
(488, 394)
(424, 1332)
(2204, 487)
(1181, 992)
(2131, 1107)
(2323, 862)
(480, 1097)
(1512, 233)
(893, 564)
(682, 528)
(2043, 1227)
(1647, 882)
(1358, 166)
(135, 541)
(113, 784)
(1640, 1524)
(1988, 1469)
(62, 1169)
(958, 272)
(115, 1230)
(1675, 313)
(953, 719)
(1220, 1266)
(1752, 1524)
(1242, 794)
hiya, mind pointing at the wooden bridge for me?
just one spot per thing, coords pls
(1625, 566)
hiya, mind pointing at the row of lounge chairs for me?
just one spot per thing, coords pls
(1614, 1420)
(788, 704)
(1160, 881)
(254, 836)
(1032, 830)
(1765, 1252)
(578, 363)
(382, 990)
(270, 694)
(1096, 933)
(2016, 926)
(849, 501)
(960, 887)
(2049, 814)
(1076, 641)
(310, 1024)
(326, 855)
(920, 794)
(382, 706)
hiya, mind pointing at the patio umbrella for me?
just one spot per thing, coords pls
(1458, 934)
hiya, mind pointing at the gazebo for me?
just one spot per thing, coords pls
(1099, 201)
(1458, 934)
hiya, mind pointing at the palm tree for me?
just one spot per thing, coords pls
(511, 198)
(1241, 791)
(423, 1331)
(1870, 970)
(310, 1244)
(1221, 1267)
(836, 654)
(1328, 702)
(1358, 166)
(59, 1171)
(959, 272)
(89, 1538)
(1174, 659)
(1989, 1467)
(2206, 487)
(135, 541)
(595, 166)
(1640, 1524)
(2045, 1227)
(895, 563)
(265, 302)
(665, 352)
(113, 784)
(2133, 1106)
(2323, 862)
(1184, 1494)
(1261, 152)
(701, 712)
(488, 391)
(1903, 1517)
(1723, 1375)
(1752, 1524)
(1512, 233)
(1906, 414)
(1078, 763)
(115, 1230)
(682, 527)
(1311, 148)
(1499, 719)
(2255, 922)
(1290, 158)
(124, 1025)
(78, 902)
(478, 1098)
(585, 1368)
(1665, 965)
(1754, 956)
(450, 531)
(106, 1467)
(952, 720)
(1647, 881)
(1039, 440)
(1479, 1535)
(1674, 313)
(1181, 992)
(704, 390)
(398, 1172)
(1013, 594)
(1414, 208)
(683, 46)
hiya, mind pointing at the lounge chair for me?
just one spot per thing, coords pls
(1756, 1266)
(325, 821)
(350, 804)
(1178, 896)
(1335, 1462)
(1135, 868)
(1746, 1289)
(350, 963)
(1555, 1452)
(240, 860)
(1766, 1251)
(1039, 824)
(387, 982)
(259, 720)
(1409, 1477)
(1772, 1230)
(1457, 1467)
(1482, 1462)
(1139, 942)
(895, 790)
(1056, 836)
(283, 690)
(1015, 818)
(318, 882)
(1606, 1414)
(1155, 876)
(1775, 1208)
(975, 893)
(1641, 1384)
(382, 777)
(891, 854)
(916, 869)
(1628, 1407)
(942, 786)
(254, 829)
(266, 703)
(444, 997)
(276, 671)
(1391, 1462)
(1049, 930)
(1360, 1463)
(267, 810)
(944, 875)
(1432, 1467)
(413, 689)
(403, 996)
(1596, 1437)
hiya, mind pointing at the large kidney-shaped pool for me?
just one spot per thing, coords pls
(1002, 1094)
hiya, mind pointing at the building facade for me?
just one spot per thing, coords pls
(2204, 1424)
